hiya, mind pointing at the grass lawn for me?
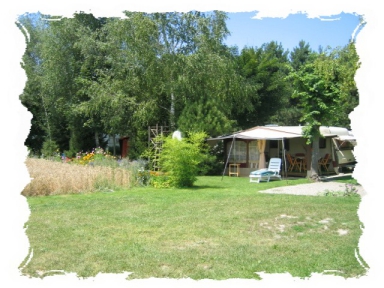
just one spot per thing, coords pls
(220, 229)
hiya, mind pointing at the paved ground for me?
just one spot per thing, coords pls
(314, 189)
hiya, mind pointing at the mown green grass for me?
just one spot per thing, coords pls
(222, 228)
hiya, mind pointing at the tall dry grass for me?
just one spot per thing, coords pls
(52, 178)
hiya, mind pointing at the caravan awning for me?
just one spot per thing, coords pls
(346, 138)
(265, 133)
(270, 133)
(284, 132)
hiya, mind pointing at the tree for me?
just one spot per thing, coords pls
(301, 54)
(124, 97)
(88, 33)
(32, 97)
(181, 37)
(348, 61)
(265, 68)
(158, 66)
(211, 89)
(322, 87)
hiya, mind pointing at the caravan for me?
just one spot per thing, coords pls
(251, 149)
(343, 144)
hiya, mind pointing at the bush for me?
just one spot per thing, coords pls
(180, 159)
(214, 163)
(159, 180)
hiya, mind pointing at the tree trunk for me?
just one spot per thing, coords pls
(308, 159)
(114, 144)
(97, 142)
(314, 172)
(172, 113)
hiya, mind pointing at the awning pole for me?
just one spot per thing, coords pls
(229, 154)
(285, 163)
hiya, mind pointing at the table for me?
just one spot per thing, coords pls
(234, 169)
(300, 160)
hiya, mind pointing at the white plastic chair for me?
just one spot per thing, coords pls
(272, 172)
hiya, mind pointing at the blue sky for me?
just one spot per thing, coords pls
(333, 31)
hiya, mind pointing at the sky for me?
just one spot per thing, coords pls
(15, 124)
(325, 31)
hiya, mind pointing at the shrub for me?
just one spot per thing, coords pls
(181, 158)
(159, 180)
(214, 163)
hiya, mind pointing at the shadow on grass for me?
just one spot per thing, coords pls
(202, 187)
(345, 178)
(338, 177)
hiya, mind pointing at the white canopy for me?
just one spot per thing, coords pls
(271, 133)
(283, 132)
(265, 133)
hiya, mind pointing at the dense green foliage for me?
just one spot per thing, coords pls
(181, 158)
(92, 77)
(265, 69)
